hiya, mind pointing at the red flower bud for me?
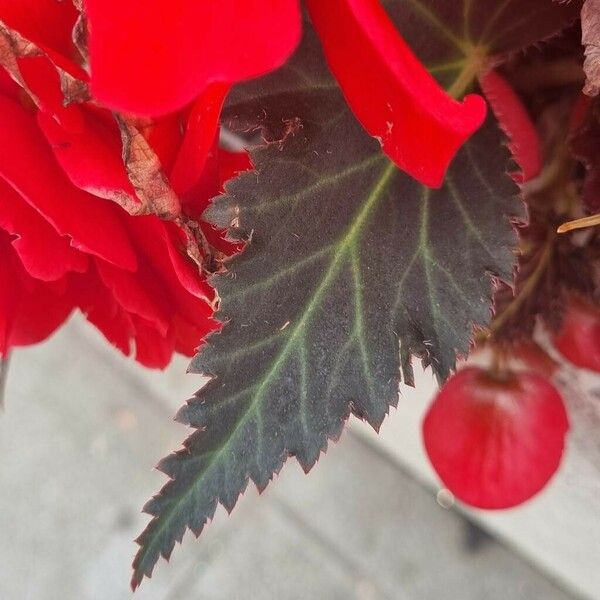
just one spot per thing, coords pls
(495, 442)
(579, 338)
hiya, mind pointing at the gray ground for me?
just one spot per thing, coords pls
(78, 440)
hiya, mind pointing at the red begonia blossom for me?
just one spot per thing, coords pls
(154, 57)
(68, 171)
(419, 125)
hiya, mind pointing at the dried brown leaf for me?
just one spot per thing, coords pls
(145, 173)
(590, 38)
(13, 46)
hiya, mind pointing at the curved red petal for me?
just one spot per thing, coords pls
(27, 163)
(153, 57)
(204, 185)
(103, 311)
(164, 136)
(153, 349)
(47, 23)
(41, 312)
(419, 126)
(525, 144)
(201, 131)
(90, 154)
(42, 80)
(149, 238)
(188, 337)
(44, 254)
(8, 86)
(30, 310)
(138, 293)
(159, 309)
(187, 271)
(494, 443)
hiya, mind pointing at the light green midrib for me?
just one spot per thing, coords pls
(338, 257)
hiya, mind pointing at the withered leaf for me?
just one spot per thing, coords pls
(590, 37)
(14, 46)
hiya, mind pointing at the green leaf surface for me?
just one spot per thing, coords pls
(352, 266)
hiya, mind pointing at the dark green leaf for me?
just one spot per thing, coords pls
(353, 267)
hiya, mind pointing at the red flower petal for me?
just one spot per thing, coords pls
(185, 269)
(579, 338)
(44, 254)
(187, 337)
(153, 57)
(90, 154)
(101, 310)
(30, 310)
(8, 86)
(164, 136)
(204, 185)
(42, 79)
(152, 348)
(42, 310)
(138, 293)
(514, 119)
(28, 164)
(47, 23)
(149, 238)
(495, 443)
(231, 164)
(419, 126)
(201, 131)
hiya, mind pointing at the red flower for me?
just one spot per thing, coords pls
(420, 127)
(70, 175)
(495, 442)
(579, 337)
(524, 142)
(154, 56)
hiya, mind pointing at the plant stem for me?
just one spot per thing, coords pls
(526, 290)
